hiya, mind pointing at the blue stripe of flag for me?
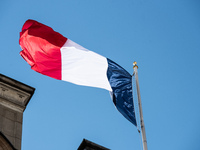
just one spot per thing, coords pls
(121, 84)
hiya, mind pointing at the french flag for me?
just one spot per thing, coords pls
(50, 53)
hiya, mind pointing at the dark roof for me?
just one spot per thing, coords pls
(88, 145)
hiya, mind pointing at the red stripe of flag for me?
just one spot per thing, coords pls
(41, 48)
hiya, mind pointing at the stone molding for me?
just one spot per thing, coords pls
(14, 94)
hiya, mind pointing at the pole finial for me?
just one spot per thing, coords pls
(135, 64)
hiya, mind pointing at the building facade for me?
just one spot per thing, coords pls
(14, 97)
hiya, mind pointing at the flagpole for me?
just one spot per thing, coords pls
(144, 140)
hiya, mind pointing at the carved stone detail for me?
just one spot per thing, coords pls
(13, 95)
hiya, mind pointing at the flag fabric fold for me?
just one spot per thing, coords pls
(50, 53)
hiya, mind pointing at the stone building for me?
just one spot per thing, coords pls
(14, 97)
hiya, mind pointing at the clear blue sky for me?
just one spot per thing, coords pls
(162, 36)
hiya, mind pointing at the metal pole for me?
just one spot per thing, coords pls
(144, 140)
